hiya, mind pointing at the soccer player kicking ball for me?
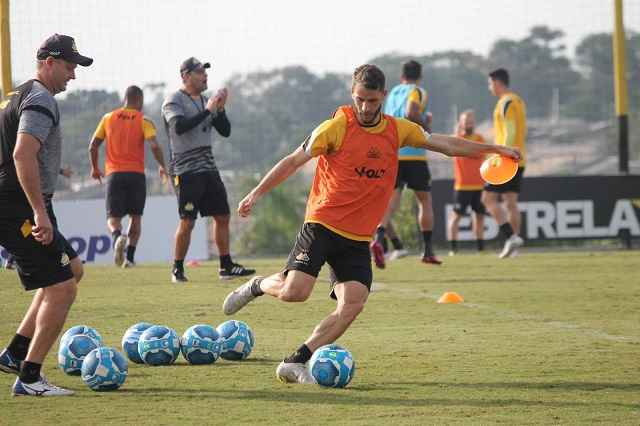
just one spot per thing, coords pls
(357, 154)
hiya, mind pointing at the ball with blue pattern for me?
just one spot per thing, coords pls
(130, 341)
(73, 351)
(237, 340)
(332, 366)
(159, 345)
(201, 344)
(83, 329)
(104, 369)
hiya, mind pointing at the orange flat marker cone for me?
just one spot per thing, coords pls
(193, 263)
(450, 297)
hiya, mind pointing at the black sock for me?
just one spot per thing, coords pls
(115, 234)
(454, 245)
(397, 244)
(131, 251)
(225, 261)
(426, 237)
(19, 347)
(178, 264)
(255, 287)
(379, 235)
(507, 229)
(302, 355)
(30, 372)
(480, 245)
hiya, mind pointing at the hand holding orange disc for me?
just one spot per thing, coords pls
(497, 170)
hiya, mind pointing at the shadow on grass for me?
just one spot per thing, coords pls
(359, 395)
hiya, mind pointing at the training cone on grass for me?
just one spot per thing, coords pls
(193, 263)
(450, 297)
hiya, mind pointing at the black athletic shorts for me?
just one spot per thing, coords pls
(126, 194)
(38, 265)
(202, 192)
(348, 260)
(512, 186)
(415, 174)
(464, 199)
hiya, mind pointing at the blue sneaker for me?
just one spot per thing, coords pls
(38, 388)
(9, 364)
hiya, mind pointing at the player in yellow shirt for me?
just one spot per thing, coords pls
(357, 153)
(510, 125)
(467, 185)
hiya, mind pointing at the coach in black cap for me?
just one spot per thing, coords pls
(192, 64)
(47, 264)
(63, 47)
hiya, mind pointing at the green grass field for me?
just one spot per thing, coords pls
(547, 338)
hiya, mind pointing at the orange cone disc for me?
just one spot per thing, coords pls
(497, 170)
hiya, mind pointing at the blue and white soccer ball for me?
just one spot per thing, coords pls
(83, 329)
(332, 366)
(130, 341)
(73, 351)
(104, 369)
(237, 340)
(159, 345)
(201, 344)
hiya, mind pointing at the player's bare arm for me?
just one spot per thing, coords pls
(94, 149)
(278, 174)
(28, 171)
(458, 147)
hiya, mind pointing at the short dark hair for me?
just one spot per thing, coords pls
(411, 70)
(501, 75)
(369, 76)
(133, 93)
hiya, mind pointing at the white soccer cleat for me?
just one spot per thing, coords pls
(294, 372)
(398, 254)
(40, 387)
(239, 297)
(118, 250)
(129, 264)
(512, 244)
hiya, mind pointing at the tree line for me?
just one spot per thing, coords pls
(273, 111)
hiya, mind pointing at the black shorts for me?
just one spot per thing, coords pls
(415, 174)
(126, 194)
(38, 265)
(464, 199)
(348, 260)
(512, 186)
(202, 192)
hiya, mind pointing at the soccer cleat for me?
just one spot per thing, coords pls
(294, 372)
(10, 264)
(514, 254)
(235, 271)
(432, 259)
(398, 254)
(129, 264)
(239, 297)
(118, 250)
(378, 254)
(177, 276)
(512, 244)
(40, 387)
(9, 363)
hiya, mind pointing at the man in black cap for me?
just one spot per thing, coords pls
(30, 154)
(189, 117)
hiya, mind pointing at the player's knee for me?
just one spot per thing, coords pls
(293, 294)
(350, 310)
